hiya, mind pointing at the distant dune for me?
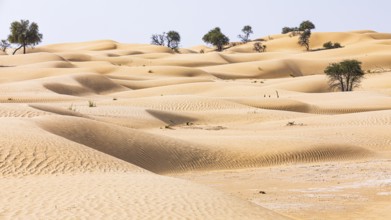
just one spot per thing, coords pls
(107, 130)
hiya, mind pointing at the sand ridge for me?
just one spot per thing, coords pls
(90, 129)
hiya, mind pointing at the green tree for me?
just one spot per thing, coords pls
(344, 75)
(306, 25)
(216, 38)
(304, 39)
(173, 39)
(247, 31)
(24, 34)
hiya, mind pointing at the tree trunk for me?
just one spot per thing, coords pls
(17, 49)
(24, 49)
(348, 83)
(342, 85)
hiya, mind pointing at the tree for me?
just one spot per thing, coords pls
(24, 34)
(158, 39)
(304, 39)
(173, 39)
(247, 31)
(306, 25)
(216, 38)
(4, 45)
(259, 47)
(345, 75)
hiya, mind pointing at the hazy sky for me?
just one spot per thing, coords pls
(134, 21)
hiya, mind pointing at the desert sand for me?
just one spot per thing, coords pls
(109, 130)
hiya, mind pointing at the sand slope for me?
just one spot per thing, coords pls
(94, 129)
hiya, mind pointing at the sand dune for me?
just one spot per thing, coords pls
(90, 129)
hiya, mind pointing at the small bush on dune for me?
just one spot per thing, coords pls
(330, 45)
(91, 104)
(259, 47)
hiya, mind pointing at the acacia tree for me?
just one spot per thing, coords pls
(216, 38)
(304, 39)
(4, 45)
(306, 25)
(344, 75)
(172, 38)
(24, 34)
(247, 31)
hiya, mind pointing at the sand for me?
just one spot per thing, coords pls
(109, 130)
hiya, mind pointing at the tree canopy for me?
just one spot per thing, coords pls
(173, 39)
(24, 34)
(216, 38)
(345, 75)
(306, 25)
(286, 30)
(247, 31)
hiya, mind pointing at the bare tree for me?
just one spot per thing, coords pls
(158, 39)
(4, 45)
(247, 31)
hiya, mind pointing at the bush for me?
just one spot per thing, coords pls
(259, 47)
(330, 45)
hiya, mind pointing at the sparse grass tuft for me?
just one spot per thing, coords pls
(91, 104)
(72, 108)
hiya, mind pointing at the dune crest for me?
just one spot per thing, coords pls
(104, 129)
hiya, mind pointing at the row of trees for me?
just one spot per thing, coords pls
(345, 75)
(214, 37)
(24, 34)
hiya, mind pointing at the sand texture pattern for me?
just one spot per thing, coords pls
(109, 130)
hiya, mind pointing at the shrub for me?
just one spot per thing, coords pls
(91, 104)
(330, 45)
(259, 47)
